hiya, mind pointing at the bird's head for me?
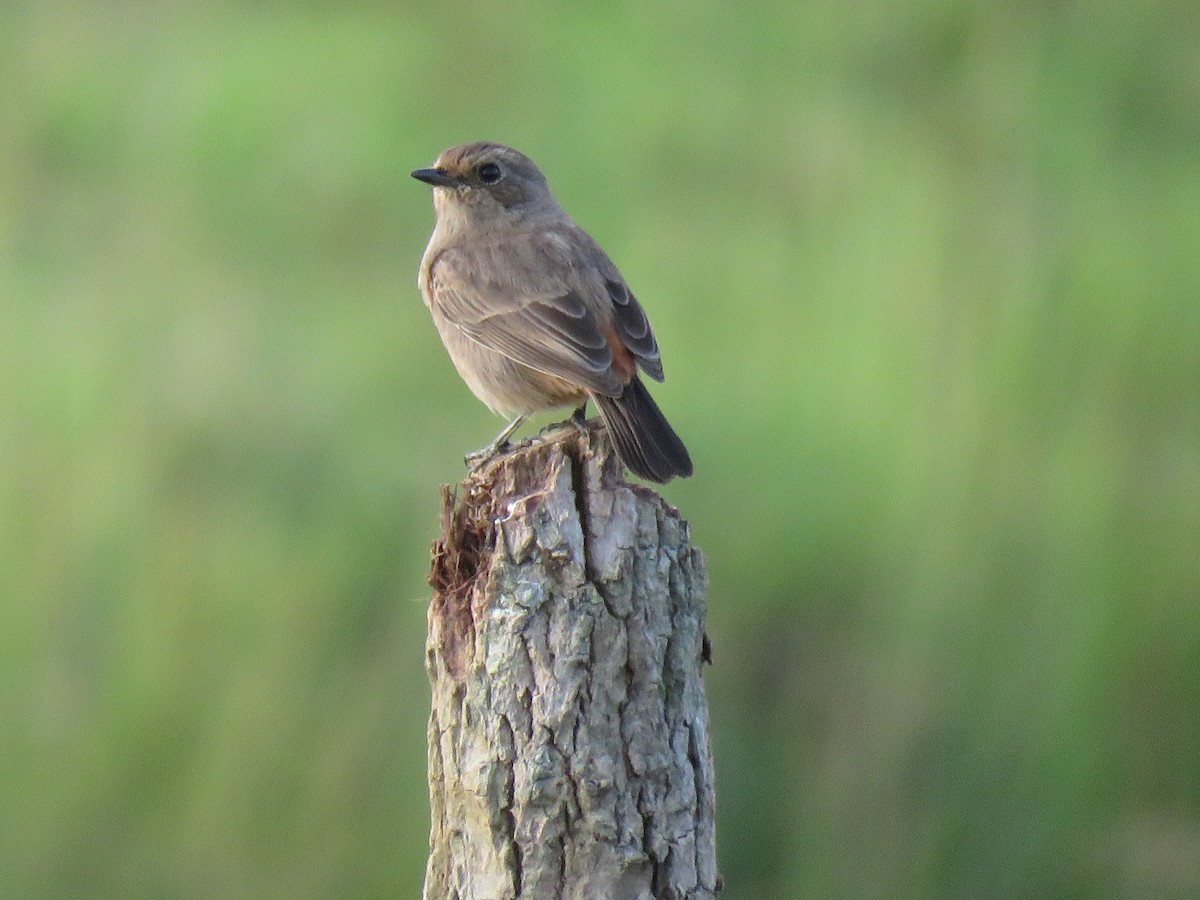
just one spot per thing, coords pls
(487, 182)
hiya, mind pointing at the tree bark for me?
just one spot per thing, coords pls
(569, 750)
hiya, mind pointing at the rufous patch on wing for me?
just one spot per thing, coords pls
(623, 362)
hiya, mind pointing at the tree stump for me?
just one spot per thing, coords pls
(569, 751)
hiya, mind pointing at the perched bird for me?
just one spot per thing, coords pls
(533, 313)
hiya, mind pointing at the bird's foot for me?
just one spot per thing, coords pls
(479, 457)
(577, 420)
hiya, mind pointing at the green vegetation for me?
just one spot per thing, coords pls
(925, 276)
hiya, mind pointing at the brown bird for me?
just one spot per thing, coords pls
(533, 313)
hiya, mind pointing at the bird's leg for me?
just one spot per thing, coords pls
(579, 416)
(577, 420)
(475, 459)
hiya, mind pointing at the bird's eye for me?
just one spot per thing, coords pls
(489, 173)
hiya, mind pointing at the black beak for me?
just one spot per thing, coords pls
(436, 177)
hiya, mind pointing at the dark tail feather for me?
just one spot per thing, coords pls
(647, 445)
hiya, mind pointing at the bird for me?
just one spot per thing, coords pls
(533, 313)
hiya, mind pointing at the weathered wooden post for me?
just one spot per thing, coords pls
(569, 751)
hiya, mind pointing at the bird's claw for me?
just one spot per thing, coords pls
(577, 420)
(477, 458)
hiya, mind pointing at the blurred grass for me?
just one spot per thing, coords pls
(925, 279)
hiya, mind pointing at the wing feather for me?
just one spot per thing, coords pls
(546, 300)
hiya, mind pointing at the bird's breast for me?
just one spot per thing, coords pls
(503, 385)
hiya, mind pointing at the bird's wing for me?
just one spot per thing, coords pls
(537, 313)
(632, 326)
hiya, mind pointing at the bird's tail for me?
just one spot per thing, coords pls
(646, 443)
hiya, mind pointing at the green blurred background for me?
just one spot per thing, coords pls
(925, 276)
